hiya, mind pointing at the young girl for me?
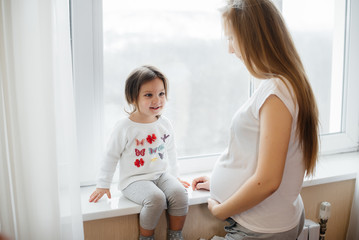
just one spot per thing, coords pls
(256, 182)
(143, 143)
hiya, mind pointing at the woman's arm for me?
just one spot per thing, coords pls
(275, 130)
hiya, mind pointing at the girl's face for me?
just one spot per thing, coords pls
(151, 100)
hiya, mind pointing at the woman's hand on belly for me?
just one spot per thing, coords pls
(215, 208)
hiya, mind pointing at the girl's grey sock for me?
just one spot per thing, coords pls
(146, 238)
(174, 235)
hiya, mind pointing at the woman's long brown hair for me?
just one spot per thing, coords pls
(268, 51)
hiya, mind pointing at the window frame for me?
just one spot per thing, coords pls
(87, 57)
(87, 47)
(347, 139)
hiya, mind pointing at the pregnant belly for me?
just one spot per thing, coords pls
(226, 181)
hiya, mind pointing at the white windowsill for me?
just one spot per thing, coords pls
(333, 168)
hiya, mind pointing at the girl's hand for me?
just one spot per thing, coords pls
(214, 208)
(200, 183)
(98, 193)
(184, 183)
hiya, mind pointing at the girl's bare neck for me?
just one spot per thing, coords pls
(138, 118)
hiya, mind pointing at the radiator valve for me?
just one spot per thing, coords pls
(324, 215)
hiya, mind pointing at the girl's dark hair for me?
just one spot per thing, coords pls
(137, 78)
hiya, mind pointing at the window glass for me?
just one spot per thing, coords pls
(318, 30)
(185, 40)
(206, 84)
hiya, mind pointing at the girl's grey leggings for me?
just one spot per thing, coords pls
(155, 196)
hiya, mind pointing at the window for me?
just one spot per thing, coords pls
(183, 39)
(321, 30)
(320, 42)
(207, 85)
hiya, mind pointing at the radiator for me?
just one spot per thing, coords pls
(310, 231)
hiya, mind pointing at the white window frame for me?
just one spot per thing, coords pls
(88, 74)
(347, 140)
(86, 18)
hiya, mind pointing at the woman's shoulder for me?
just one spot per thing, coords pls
(282, 89)
(275, 83)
